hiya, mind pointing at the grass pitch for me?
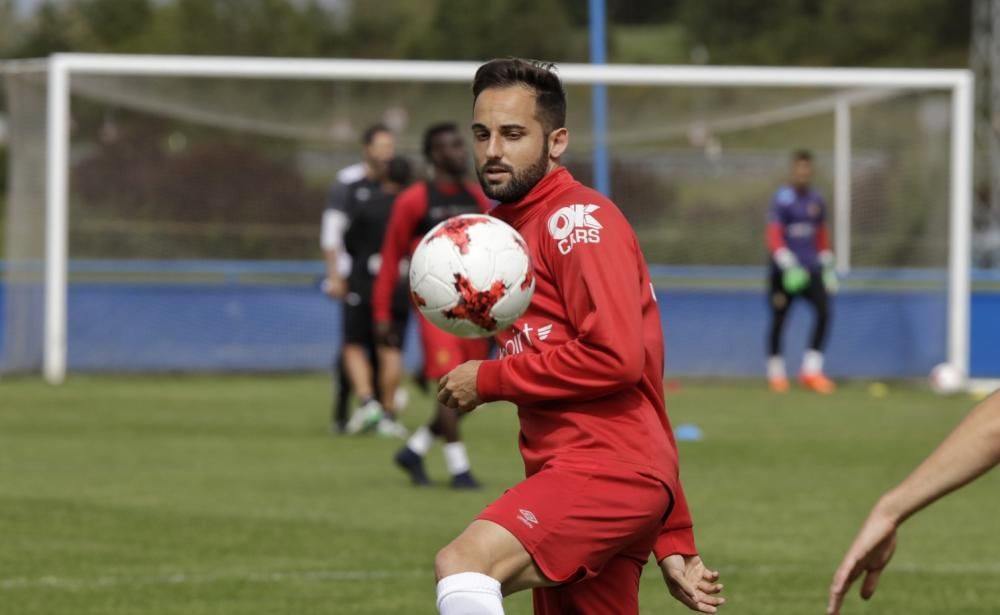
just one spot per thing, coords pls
(226, 495)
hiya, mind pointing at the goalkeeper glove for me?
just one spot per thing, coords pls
(794, 279)
(830, 281)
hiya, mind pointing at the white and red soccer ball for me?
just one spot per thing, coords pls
(471, 275)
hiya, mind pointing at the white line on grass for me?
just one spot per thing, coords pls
(182, 578)
(189, 578)
(946, 568)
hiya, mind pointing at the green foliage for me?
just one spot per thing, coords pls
(786, 32)
(501, 28)
(219, 496)
(240, 27)
(832, 32)
(658, 43)
(114, 24)
(54, 28)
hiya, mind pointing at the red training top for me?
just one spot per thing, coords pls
(410, 219)
(584, 364)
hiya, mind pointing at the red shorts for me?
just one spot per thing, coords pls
(589, 529)
(444, 352)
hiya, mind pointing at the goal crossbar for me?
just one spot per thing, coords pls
(61, 67)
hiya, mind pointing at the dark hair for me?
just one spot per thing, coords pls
(802, 155)
(540, 77)
(398, 171)
(433, 131)
(369, 134)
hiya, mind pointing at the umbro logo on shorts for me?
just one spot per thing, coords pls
(528, 518)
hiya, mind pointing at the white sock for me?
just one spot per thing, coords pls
(456, 458)
(421, 441)
(469, 593)
(776, 367)
(812, 362)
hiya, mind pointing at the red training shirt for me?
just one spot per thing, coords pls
(584, 364)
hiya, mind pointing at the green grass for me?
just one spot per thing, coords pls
(229, 496)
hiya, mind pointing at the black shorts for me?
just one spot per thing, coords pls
(359, 326)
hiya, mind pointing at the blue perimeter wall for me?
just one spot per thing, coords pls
(233, 325)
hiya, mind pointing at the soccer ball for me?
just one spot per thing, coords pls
(945, 379)
(471, 275)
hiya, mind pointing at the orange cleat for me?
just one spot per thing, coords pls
(817, 382)
(778, 384)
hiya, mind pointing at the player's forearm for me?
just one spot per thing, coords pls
(384, 286)
(401, 228)
(967, 453)
(575, 371)
(823, 239)
(775, 238)
(676, 541)
(332, 259)
(677, 535)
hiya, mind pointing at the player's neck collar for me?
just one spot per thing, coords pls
(554, 182)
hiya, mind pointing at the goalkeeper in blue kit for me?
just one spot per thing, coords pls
(801, 265)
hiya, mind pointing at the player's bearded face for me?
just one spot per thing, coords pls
(518, 181)
(511, 145)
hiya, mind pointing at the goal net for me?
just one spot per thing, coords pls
(193, 190)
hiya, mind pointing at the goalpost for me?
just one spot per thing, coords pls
(61, 69)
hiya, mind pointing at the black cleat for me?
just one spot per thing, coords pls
(412, 464)
(465, 480)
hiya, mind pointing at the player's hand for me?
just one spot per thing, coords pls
(830, 281)
(691, 583)
(794, 279)
(869, 554)
(457, 389)
(334, 287)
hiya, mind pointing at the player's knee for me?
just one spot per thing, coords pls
(456, 558)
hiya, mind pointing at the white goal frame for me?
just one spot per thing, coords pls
(958, 83)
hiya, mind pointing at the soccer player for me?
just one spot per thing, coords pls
(363, 240)
(418, 209)
(801, 265)
(584, 365)
(972, 449)
(354, 224)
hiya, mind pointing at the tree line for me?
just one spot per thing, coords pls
(782, 32)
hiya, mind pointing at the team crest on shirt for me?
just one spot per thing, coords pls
(786, 196)
(813, 209)
(574, 224)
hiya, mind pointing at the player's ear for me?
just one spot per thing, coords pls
(558, 142)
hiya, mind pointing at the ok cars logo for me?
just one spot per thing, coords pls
(574, 224)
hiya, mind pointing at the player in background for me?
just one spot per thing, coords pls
(418, 209)
(356, 187)
(801, 265)
(584, 365)
(971, 450)
(370, 208)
